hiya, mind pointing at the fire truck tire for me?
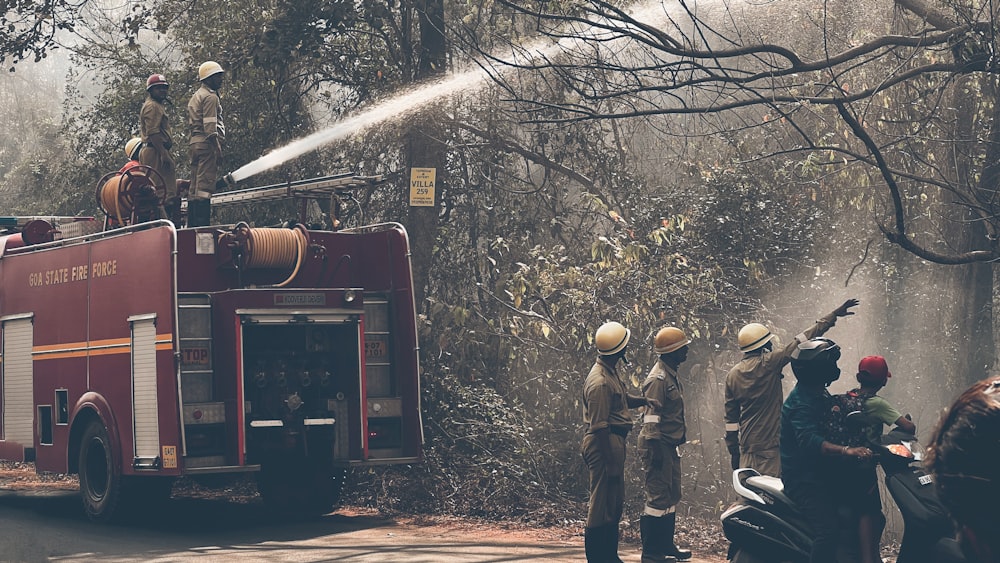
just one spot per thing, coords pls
(100, 477)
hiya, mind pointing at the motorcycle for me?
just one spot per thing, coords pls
(766, 527)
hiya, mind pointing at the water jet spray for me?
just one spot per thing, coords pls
(403, 104)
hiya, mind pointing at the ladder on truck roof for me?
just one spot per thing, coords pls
(314, 188)
(326, 187)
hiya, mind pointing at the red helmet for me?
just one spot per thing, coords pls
(156, 80)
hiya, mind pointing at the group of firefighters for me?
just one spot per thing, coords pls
(763, 432)
(207, 131)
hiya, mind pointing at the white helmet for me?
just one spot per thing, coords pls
(753, 336)
(209, 68)
(132, 148)
(611, 338)
(669, 339)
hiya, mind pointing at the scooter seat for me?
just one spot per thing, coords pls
(772, 486)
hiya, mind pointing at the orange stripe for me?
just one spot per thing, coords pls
(109, 351)
(96, 348)
(37, 349)
(58, 355)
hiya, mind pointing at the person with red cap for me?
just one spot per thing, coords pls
(156, 143)
(873, 374)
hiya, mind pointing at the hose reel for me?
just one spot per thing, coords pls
(268, 248)
(131, 196)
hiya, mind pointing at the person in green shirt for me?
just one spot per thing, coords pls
(873, 374)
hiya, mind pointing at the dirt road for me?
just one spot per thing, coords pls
(48, 525)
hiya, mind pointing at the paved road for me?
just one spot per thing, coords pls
(50, 526)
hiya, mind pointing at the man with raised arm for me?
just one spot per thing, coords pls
(754, 396)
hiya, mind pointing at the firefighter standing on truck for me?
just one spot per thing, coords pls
(606, 405)
(754, 396)
(663, 430)
(156, 142)
(207, 134)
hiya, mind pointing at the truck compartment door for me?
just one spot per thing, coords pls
(145, 415)
(18, 395)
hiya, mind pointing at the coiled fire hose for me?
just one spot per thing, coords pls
(120, 193)
(269, 248)
(110, 200)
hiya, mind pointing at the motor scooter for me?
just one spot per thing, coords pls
(765, 526)
(928, 531)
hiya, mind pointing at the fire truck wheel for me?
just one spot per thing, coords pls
(100, 479)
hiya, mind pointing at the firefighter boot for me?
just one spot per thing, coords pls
(669, 526)
(173, 210)
(592, 544)
(653, 542)
(612, 535)
(199, 212)
(194, 213)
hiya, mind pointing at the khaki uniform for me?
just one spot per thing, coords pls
(662, 431)
(207, 128)
(605, 405)
(753, 402)
(154, 128)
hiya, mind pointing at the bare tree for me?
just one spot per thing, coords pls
(877, 109)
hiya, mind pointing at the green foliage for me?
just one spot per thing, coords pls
(28, 28)
(523, 275)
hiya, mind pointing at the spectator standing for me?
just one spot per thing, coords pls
(963, 459)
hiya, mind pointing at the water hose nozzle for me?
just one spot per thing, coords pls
(226, 181)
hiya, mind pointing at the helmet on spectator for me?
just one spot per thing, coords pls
(815, 361)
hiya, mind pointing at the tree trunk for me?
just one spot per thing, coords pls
(425, 149)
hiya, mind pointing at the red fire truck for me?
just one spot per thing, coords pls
(138, 354)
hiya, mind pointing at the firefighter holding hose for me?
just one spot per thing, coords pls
(207, 134)
(154, 129)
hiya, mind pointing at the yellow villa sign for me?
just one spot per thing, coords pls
(422, 187)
